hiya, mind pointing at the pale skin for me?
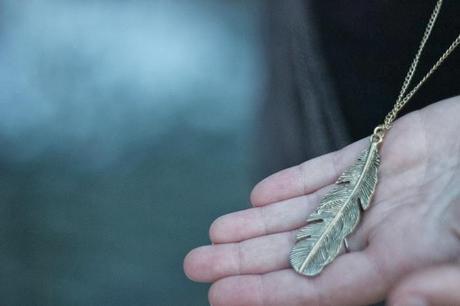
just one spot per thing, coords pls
(406, 248)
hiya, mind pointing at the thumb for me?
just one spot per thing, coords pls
(436, 286)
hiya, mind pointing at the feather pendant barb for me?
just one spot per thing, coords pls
(319, 242)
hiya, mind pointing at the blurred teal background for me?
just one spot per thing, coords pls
(125, 129)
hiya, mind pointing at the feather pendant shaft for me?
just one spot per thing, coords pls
(319, 242)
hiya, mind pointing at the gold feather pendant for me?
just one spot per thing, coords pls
(319, 242)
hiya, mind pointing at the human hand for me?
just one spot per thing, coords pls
(407, 246)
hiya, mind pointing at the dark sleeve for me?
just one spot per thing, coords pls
(336, 68)
(368, 46)
(300, 117)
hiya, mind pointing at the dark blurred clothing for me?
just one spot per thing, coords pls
(336, 68)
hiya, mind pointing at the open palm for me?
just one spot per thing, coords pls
(402, 246)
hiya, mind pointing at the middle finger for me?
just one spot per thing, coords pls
(258, 255)
(254, 222)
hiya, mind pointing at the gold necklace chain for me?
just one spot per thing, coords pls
(319, 242)
(403, 98)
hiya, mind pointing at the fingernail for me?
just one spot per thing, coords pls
(411, 301)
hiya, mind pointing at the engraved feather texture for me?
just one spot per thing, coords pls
(319, 242)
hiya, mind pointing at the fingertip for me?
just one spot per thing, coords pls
(193, 264)
(279, 186)
(213, 294)
(215, 231)
(232, 227)
(211, 262)
(221, 293)
(187, 265)
(234, 291)
(257, 194)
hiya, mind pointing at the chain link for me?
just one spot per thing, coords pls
(403, 98)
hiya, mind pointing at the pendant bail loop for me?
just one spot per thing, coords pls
(379, 133)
